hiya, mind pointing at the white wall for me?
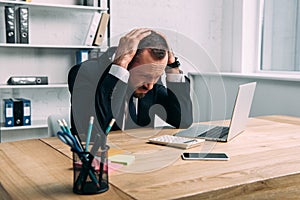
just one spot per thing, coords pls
(229, 32)
(200, 21)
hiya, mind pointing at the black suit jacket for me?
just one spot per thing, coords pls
(96, 92)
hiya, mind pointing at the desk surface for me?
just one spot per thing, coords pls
(264, 163)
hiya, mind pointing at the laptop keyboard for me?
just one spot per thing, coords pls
(216, 132)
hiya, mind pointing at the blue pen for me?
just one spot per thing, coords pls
(67, 130)
(66, 126)
(74, 143)
(88, 137)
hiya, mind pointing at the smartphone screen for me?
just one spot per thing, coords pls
(204, 156)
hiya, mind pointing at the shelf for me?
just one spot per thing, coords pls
(2, 86)
(35, 124)
(51, 56)
(48, 46)
(47, 5)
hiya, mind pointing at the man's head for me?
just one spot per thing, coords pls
(148, 63)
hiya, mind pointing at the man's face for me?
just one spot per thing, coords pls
(145, 72)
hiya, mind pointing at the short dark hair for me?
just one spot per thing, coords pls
(156, 43)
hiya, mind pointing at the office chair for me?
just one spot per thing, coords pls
(53, 126)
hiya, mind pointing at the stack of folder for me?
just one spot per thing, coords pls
(17, 112)
(97, 29)
(17, 24)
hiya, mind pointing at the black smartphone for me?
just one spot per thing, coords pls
(204, 156)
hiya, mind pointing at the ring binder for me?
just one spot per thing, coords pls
(17, 112)
(101, 29)
(92, 29)
(8, 112)
(10, 24)
(23, 25)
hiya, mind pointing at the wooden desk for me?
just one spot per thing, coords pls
(32, 169)
(264, 164)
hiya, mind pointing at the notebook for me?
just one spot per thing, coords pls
(238, 120)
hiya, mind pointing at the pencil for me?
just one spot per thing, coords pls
(67, 130)
(62, 127)
(103, 154)
(109, 126)
(88, 137)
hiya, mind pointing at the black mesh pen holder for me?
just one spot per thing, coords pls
(90, 172)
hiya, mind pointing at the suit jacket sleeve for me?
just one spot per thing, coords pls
(109, 100)
(172, 104)
(177, 102)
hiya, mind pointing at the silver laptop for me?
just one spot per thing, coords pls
(238, 120)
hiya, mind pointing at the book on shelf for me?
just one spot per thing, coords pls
(92, 29)
(101, 29)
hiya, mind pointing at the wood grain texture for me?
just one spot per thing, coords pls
(33, 170)
(267, 152)
(264, 164)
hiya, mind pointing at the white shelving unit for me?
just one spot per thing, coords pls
(39, 3)
(33, 86)
(48, 46)
(35, 124)
(56, 32)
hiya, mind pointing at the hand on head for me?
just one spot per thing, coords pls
(128, 45)
(145, 54)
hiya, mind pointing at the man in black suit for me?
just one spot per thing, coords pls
(129, 88)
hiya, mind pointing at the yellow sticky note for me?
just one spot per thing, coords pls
(114, 151)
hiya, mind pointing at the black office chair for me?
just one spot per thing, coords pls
(84, 78)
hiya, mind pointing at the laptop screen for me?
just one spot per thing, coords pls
(241, 109)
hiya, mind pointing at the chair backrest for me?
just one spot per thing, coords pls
(53, 126)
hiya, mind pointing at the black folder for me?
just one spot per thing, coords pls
(10, 24)
(23, 25)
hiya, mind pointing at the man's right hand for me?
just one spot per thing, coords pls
(128, 46)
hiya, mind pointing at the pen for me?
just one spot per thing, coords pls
(66, 126)
(104, 148)
(88, 137)
(61, 125)
(67, 130)
(98, 141)
(109, 126)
